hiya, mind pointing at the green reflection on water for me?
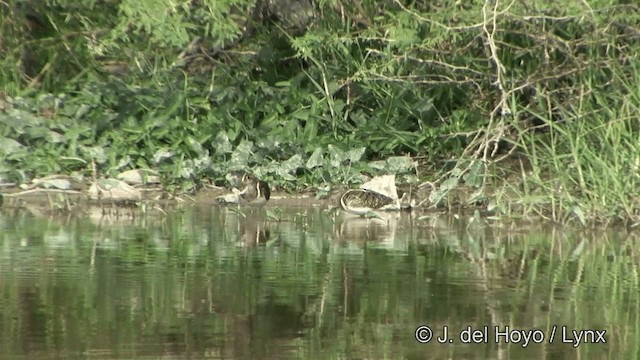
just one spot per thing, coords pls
(209, 282)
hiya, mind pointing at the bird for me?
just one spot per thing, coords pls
(255, 191)
(250, 191)
(360, 201)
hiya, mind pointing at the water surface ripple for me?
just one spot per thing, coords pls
(227, 283)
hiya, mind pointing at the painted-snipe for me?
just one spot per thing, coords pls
(251, 192)
(254, 191)
(359, 202)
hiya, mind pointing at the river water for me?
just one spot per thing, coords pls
(297, 283)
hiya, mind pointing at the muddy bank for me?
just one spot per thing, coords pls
(61, 201)
(72, 200)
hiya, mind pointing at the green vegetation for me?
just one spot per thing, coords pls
(537, 103)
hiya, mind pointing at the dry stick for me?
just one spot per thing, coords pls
(35, 80)
(502, 105)
(489, 20)
(483, 137)
(421, 18)
(479, 136)
(327, 93)
(46, 191)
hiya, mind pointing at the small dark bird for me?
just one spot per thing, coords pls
(254, 191)
(250, 191)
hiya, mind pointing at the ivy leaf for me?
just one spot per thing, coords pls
(292, 164)
(222, 143)
(9, 146)
(240, 156)
(316, 159)
(399, 164)
(354, 155)
(337, 155)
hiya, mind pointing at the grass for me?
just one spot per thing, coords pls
(586, 168)
(494, 125)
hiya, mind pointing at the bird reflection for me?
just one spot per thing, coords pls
(253, 233)
(253, 229)
(381, 229)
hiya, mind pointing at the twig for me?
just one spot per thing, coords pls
(46, 191)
